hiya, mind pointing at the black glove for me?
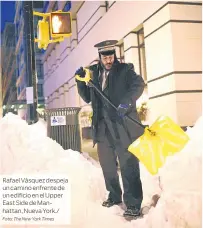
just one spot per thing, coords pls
(81, 72)
(124, 109)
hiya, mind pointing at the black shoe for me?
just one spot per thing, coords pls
(109, 203)
(132, 212)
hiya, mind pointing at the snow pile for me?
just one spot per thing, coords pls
(39, 128)
(27, 149)
(181, 180)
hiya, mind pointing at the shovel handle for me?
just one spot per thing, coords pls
(135, 121)
(87, 77)
(103, 96)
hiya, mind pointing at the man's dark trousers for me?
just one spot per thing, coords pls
(113, 143)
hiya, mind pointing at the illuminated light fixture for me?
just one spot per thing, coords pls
(61, 24)
(58, 27)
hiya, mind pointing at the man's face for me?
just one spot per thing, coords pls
(107, 61)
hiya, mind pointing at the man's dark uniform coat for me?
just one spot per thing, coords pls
(114, 134)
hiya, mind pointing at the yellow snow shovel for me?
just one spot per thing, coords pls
(163, 138)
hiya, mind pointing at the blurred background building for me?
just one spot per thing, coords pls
(8, 64)
(20, 50)
(1, 101)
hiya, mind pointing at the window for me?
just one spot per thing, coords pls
(16, 30)
(143, 100)
(39, 68)
(55, 7)
(141, 51)
(21, 11)
(46, 4)
(120, 52)
(67, 6)
(18, 90)
(40, 90)
(121, 49)
(38, 4)
(22, 61)
(24, 79)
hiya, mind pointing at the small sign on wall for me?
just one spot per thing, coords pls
(29, 95)
(58, 120)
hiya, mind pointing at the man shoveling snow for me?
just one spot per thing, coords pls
(112, 133)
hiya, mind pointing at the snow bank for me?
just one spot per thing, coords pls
(181, 180)
(39, 128)
(26, 149)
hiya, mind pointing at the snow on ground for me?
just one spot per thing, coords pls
(26, 149)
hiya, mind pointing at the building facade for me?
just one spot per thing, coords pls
(1, 100)
(162, 39)
(8, 64)
(21, 57)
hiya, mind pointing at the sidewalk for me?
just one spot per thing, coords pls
(87, 147)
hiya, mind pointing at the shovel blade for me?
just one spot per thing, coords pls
(153, 149)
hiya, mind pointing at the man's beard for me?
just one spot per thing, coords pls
(109, 67)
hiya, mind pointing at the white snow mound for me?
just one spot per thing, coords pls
(26, 149)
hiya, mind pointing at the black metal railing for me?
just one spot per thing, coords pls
(68, 135)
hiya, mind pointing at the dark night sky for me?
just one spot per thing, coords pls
(7, 12)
